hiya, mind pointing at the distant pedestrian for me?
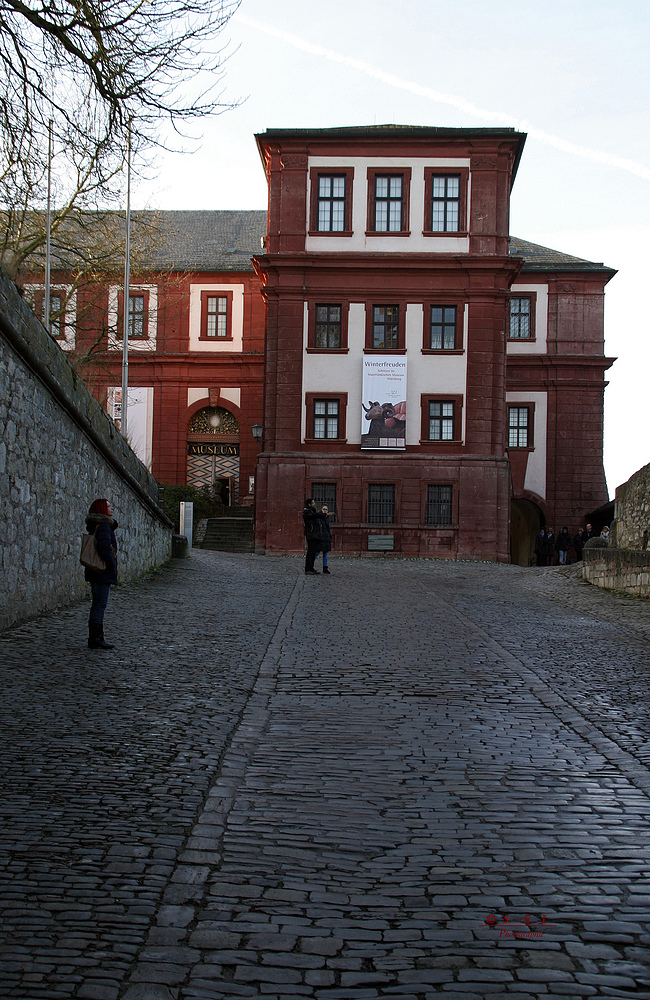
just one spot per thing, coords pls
(312, 520)
(540, 548)
(605, 534)
(101, 523)
(589, 533)
(579, 543)
(563, 545)
(549, 546)
(326, 537)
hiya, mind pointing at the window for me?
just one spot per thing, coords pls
(56, 317)
(519, 427)
(331, 202)
(439, 505)
(328, 327)
(441, 420)
(521, 317)
(326, 418)
(388, 202)
(136, 315)
(445, 197)
(442, 329)
(216, 315)
(325, 493)
(57, 312)
(385, 328)
(381, 503)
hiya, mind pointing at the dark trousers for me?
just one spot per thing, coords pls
(101, 593)
(313, 547)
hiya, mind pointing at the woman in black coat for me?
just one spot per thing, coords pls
(326, 536)
(100, 522)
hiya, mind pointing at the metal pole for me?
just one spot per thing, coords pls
(125, 308)
(47, 322)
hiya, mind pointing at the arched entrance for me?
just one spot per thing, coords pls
(213, 453)
(526, 519)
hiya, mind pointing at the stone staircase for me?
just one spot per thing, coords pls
(232, 532)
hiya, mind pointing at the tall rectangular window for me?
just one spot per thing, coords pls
(136, 315)
(328, 326)
(388, 204)
(441, 420)
(56, 319)
(216, 316)
(385, 327)
(445, 204)
(331, 203)
(325, 493)
(439, 505)
(326, 418)
(443, 328)
(518, 427)
(520, 315)
(381, 503)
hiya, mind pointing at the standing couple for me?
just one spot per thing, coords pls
(317, 533)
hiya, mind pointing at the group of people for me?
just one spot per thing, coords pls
(317, 534)
(564, 546)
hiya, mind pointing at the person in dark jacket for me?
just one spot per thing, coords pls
(312, 520)
(549, 546)
(579, 540)
(326, 536)
(540, 548)
(100, 522)
(563, 545)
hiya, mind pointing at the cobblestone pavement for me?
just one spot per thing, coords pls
(332, 788)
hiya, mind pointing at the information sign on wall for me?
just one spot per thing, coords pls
(383, 415)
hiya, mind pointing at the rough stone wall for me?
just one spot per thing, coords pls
(618, 569)
(59, 451)
(633, 511)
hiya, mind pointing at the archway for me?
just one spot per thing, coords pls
(213, 453)
(526, 519)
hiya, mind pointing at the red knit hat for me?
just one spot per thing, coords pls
(99, 507)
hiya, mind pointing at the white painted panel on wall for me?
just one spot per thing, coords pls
(535, 480)
(539, 345)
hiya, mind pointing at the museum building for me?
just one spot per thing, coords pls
(436, 381)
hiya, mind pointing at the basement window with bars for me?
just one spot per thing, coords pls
(381, 503)
(439, 504)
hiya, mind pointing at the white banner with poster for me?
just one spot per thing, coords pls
(383, 416)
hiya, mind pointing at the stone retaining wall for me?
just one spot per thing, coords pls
(618, 569)
(633, 511)
(58, 451)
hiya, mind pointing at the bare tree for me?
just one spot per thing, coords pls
(98, 70)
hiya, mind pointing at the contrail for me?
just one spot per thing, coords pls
(497, 117)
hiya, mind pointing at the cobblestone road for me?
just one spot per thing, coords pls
(404, 780)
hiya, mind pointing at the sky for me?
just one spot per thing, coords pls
(572, 74)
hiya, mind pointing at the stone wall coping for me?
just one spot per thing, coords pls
(31, 341)
(620, 557)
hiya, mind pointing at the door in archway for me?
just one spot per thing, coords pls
(526, 519)
(213, 452)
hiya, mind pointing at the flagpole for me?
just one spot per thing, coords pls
(125, 308)
(47, 320)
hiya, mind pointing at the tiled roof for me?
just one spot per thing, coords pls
(537, 258)
(205, 240)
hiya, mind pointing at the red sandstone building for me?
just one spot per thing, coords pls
(437, 382)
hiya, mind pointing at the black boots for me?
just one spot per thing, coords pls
(96, 637)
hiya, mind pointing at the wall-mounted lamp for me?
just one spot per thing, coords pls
(257, 431)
